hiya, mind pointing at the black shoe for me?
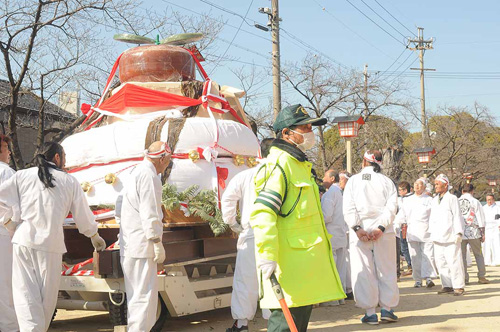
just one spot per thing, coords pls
(445, 290)
(430, 284)
(349, 296)
(234, 328)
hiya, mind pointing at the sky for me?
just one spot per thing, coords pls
(465, 54)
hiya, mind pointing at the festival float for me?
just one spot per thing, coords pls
(154, 93)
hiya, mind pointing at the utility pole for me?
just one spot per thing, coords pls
(365, 74)
(275, 34)
(422, 45)
(274, 23)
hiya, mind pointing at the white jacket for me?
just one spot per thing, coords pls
(446, 220)
(489, 213)
(240, 192)
(141, 215)
(370, 200)
(43, 210)
(331, 204)
(473, 214)
(5, 173)
(415, 212)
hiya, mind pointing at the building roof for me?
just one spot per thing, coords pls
(30, 102)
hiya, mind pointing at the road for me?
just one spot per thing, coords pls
(419, 310)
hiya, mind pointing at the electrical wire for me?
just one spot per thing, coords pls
(232, 40)
(413, 33)
(387, 32)
(349, 28)
(383, 19)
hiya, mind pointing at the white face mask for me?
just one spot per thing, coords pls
(309, 141)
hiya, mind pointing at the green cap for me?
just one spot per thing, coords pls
(295, 115)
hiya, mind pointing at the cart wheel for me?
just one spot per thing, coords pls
(161, 315)
(117, 313)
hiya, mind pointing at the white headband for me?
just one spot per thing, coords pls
(370, 157)
(344, 175)
(443, 178)
(158, 154)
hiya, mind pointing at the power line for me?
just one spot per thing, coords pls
(232, 40)
(383, 19)
(348, 28)
(395, 78)
(213, 19)
(387, 32)
(228, 11)
(392, 64)
(313, 48)
(413, 33)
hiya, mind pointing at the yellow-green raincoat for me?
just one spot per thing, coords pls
(299, 242)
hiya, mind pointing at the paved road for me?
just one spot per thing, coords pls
(419, 310)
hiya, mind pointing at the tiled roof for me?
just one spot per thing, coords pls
(29, 101)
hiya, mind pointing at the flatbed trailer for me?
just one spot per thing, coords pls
(197, 275)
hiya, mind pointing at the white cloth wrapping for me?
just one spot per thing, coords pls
(141, 285)
(123, 139)
(141, 215)
(370, 200)
(445, 221)
(43, 210)
(245, 296)
(8, 320)
(5, 173)
(331, 204)
(415, 212)
(450, 265)
(36, 277)
(341, 262)
(491, 245)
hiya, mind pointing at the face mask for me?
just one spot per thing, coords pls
(309, 141)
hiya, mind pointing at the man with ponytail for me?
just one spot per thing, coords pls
(141, 231)
(8, 320)
(370, 204)
(45, 195)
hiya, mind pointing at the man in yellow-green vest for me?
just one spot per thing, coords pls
(290, 235)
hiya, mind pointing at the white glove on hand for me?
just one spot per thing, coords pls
(98, 242)
(159, 252)
(267, 267)
(458, 239)
(236, 228)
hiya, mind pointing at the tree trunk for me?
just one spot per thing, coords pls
(16, 156)
(391, 163)
(322, 149)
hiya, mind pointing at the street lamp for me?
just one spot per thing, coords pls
(424, 156)
(468, 177)
(348, 128)
(492, 181)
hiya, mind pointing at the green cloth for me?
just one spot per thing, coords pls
(277, 321)
(300, 242)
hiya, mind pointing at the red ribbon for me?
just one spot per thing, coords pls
(222, 174)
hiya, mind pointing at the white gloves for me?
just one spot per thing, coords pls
(267, 267)
(236, 228)
(98, 242)
(458, 239)
(159, 252)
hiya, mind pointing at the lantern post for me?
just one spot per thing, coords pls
(349, 128)
(424, 156)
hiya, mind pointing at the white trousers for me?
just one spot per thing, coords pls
(450, 265)
(8, 320)
(491, 247)
(373, 272)
(141, 286)
(421, 253)
(35, 282)
(339, 255)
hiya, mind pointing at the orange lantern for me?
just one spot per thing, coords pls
(424, 154)
(349, 125)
